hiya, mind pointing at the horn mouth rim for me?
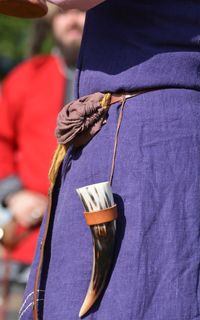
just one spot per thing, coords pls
(100, 184)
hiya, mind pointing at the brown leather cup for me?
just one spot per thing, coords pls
(23, 8)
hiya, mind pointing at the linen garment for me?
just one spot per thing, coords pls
(130, 45)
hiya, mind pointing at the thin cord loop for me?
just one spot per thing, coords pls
(116, 139)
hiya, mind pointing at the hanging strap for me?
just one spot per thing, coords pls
(123, 100)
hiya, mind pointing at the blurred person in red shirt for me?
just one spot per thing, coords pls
(31, 97)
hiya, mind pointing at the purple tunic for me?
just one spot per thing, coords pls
(132, 45)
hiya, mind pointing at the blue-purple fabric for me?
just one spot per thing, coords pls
(135, 44)
(130, 45)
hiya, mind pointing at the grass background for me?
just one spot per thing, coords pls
(15, 41)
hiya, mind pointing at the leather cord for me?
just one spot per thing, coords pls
(123, 101)
(116, 140)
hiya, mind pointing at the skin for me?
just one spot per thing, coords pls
(80, 4)
(67, 29)
(27, 206)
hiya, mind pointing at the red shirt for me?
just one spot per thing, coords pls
(32, 95)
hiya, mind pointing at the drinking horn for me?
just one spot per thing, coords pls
(23, 8)
(100, 214)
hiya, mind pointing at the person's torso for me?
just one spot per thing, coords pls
(36, 125)
(136, 44)
(35, 130)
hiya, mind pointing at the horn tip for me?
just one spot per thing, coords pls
(87, 304)
(82, 312)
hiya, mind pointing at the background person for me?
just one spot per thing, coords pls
(31, 97)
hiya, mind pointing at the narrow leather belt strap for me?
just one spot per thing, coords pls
(101, 216)
(120, 97)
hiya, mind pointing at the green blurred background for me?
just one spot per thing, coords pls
(15, 42)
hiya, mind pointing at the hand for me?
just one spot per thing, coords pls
(27, 207)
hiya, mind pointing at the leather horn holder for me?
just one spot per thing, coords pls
(23, 8)
(101, 216)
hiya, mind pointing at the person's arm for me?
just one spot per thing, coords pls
(9, 181)
(26, 206)
(76, 4)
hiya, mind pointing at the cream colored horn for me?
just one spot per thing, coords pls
(100, 214)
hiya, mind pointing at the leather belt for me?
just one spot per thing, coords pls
(112, 98)
(120, 97)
